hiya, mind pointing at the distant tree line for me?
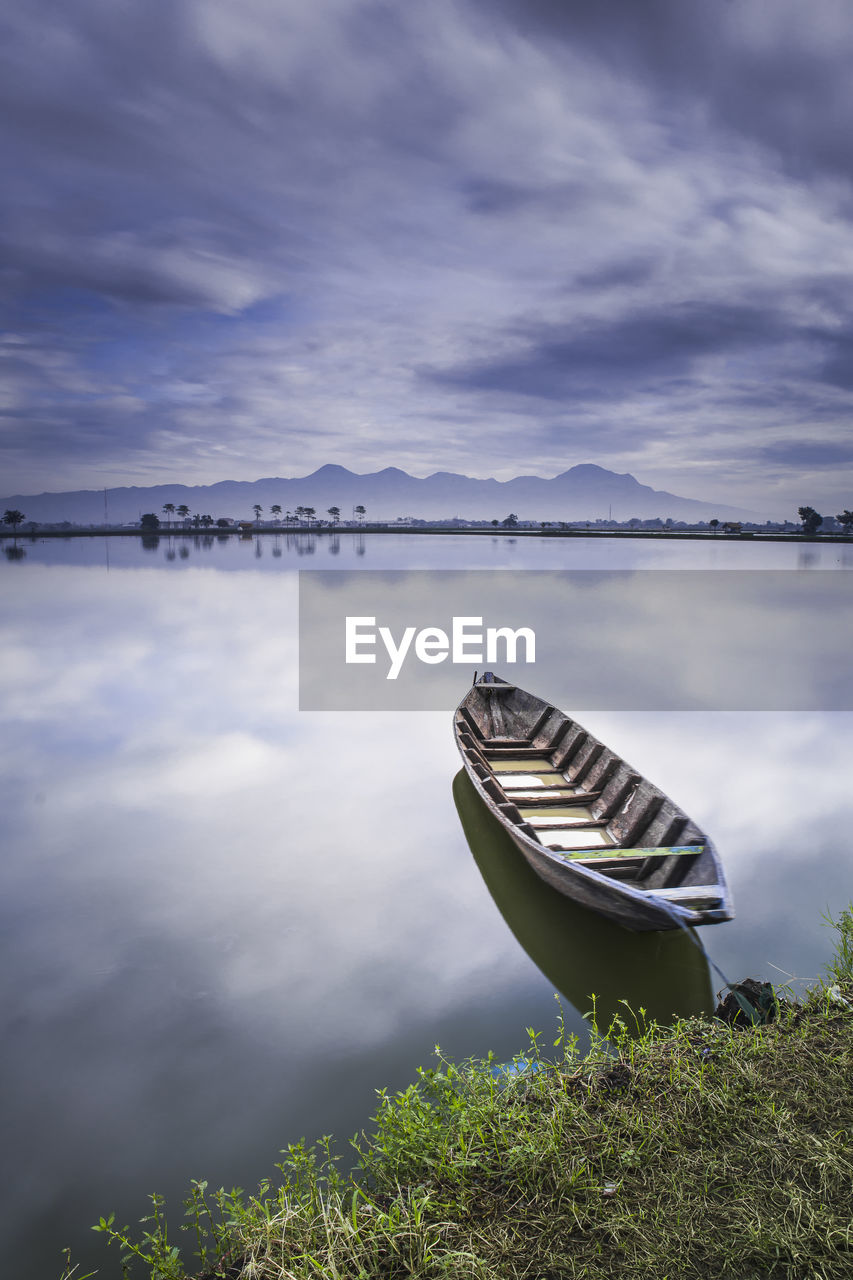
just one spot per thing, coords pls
(302, 514)
(299, 515)
(811, 520)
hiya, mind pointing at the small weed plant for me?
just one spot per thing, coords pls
(841, 967)
(676, 1153)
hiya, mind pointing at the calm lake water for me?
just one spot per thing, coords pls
(225, 922)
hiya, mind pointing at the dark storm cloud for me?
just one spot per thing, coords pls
(118, 135)
(602, 359)
(777, 73)
(838, 366)
(616, 274)
(490, 195)
(809, 454)
(498, 197)
(152, 158)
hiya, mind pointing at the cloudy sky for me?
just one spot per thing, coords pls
(247, 237)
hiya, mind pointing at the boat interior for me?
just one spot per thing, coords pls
(554, 782)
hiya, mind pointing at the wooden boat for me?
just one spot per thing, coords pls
(584, 819)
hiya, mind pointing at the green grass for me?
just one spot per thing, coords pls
(840, 967)
(697, 1150)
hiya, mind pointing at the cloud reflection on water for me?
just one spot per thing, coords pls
(225, 923)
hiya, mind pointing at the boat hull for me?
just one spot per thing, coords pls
(596, 893)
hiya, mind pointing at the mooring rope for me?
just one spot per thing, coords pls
(752, 1011)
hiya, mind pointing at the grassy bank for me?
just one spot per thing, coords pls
(698, 1150)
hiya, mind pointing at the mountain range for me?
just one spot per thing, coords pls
(584, 492)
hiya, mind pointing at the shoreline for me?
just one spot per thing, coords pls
(711, 1146)
(435, 531)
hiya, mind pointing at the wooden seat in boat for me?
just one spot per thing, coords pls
(684, 893)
